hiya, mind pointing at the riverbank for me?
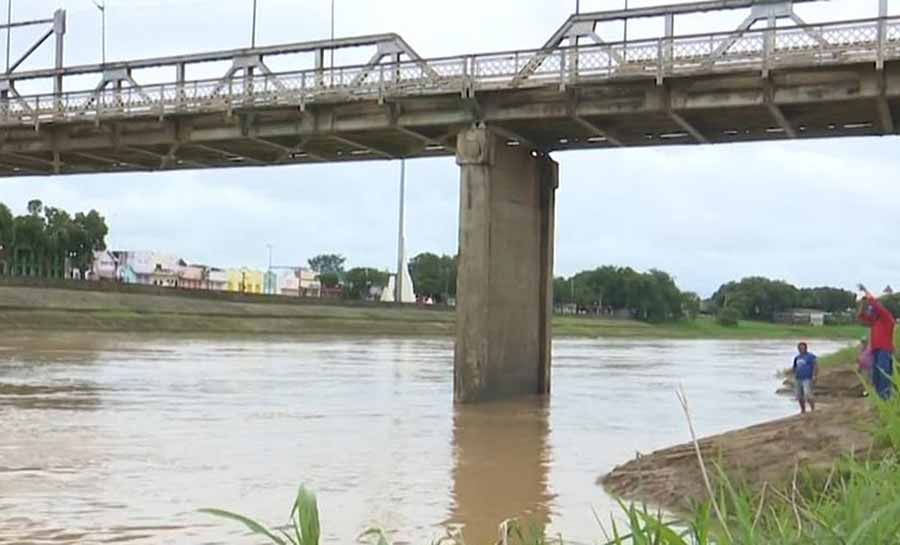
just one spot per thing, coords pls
(26, 309)
(767, 453)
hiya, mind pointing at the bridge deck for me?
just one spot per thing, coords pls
(836, 79)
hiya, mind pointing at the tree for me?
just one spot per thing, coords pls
(728, 316)
(328, 264)
(652, 296)
(35, 207)
(757, 298)
(39, 242)
(329, 280)
(358, 281)
(690, 303)
(89, 236)
(434, 275)
(827, 299)
(6, 227)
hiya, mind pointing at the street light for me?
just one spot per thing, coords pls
(253, 30)
(102, 8)
(332, 34)
(8, 31)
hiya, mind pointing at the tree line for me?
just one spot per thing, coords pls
(651, 296)
(759, 298)
(46, 239)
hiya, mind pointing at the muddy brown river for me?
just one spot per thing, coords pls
(110, 439)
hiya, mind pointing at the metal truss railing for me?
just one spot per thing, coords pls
(847, 42)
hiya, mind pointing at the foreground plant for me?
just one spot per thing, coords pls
(302, 528)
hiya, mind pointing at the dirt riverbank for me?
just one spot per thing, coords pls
(765, 453)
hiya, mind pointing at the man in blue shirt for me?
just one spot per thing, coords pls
(806, 371)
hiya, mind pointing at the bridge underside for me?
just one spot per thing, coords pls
(849, 100)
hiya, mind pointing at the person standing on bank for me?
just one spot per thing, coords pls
(806, 371)
(881, 342)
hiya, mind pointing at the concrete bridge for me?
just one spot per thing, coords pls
(500, 114)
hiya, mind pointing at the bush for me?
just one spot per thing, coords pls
(728, 316)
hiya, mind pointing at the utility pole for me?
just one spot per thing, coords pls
(401, 243)
(332, 34)
(253, 31)
(102, 8)
(8, 31)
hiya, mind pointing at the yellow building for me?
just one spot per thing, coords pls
(245, 281)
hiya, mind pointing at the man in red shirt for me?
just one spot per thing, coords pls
(881, 321)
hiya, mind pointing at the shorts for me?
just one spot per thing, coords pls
(804, 389)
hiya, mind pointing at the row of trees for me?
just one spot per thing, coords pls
(43, 241)
(433, 276)
(758, 298)
(651, 296)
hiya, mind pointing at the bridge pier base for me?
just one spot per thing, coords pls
(505, 279)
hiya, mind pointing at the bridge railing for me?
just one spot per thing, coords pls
(872, 40)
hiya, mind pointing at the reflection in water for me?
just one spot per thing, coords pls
(500, 467)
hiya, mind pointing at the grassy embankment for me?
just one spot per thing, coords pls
(30, 309)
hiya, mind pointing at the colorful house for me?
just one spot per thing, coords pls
(245, 280)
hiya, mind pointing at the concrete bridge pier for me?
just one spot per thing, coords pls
(505, 278)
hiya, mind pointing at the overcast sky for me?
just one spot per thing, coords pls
(811, 213)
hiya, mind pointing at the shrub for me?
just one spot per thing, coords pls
(728, 316)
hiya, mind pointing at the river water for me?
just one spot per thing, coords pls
(121, 439)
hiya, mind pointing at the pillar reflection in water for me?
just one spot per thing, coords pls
(501, 458)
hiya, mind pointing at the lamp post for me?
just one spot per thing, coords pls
(253, 30)
(102, 7)
(8, 31)
(332, 40)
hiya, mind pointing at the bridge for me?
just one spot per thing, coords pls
(501, 114)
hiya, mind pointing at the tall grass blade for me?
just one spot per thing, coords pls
(251, 524)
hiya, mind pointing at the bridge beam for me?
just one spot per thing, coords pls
(505, 279)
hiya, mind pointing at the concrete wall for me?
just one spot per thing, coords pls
(504, 290)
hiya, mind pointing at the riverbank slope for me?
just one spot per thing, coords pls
(765, 453)
(29, 308)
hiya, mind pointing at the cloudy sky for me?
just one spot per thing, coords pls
(810, 212)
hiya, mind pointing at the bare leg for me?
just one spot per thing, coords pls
(802, 406)
(812, 404)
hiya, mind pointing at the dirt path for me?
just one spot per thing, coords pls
(768, 452)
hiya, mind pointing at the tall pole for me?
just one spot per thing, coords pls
(401, 246)
(8, 31)
(253, 31)
(332, 33)
(102, 8)
(270, 287)
(103, 32)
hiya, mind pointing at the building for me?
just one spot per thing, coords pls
(289, 284)
(216, 279)
(148, 268)
(192, 277)
(802, 316)
(244, 280)
(309, 285)
(105, 267)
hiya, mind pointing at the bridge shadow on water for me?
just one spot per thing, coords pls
(501, 467)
